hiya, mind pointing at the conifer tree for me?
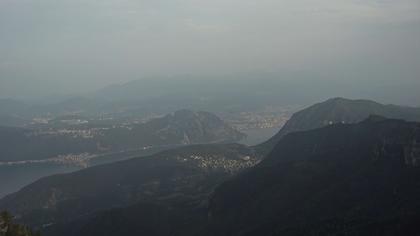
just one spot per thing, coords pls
(8, 228)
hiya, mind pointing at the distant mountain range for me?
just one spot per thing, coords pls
(336, 168)
(158, 96)
(211, 95)
(180, 128)
(339, 110)
(164, 95)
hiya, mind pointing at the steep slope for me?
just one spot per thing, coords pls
(144, 218)
(359, 179)
(189, 127)
(344, 179)
(180, 128)
(339, 110)
(175, 177)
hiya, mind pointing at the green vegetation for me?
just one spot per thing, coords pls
(8, 228)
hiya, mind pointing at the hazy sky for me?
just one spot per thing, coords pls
(63, 46)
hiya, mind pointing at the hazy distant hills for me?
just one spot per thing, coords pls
(13, 113)
(163, 95)
(340, 110)
(180, 128)
(254, 90)
(172, 178)
(221, 94)
(155, 96)
(12, 107)
(23, 112)
(345, 179)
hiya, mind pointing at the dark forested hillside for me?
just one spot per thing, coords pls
(173, 178)
(339, 110)
(9, 228)
(345, 179)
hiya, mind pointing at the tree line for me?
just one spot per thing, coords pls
(9, 228)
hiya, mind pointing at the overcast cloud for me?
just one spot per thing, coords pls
(79, 45)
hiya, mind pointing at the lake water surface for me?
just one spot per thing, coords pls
(15, 177)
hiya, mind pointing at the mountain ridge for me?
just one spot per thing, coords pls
(339, 110)
(340, 179)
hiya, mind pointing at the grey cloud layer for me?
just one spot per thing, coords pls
(82, 44)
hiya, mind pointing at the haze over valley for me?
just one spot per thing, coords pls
(209, 118)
